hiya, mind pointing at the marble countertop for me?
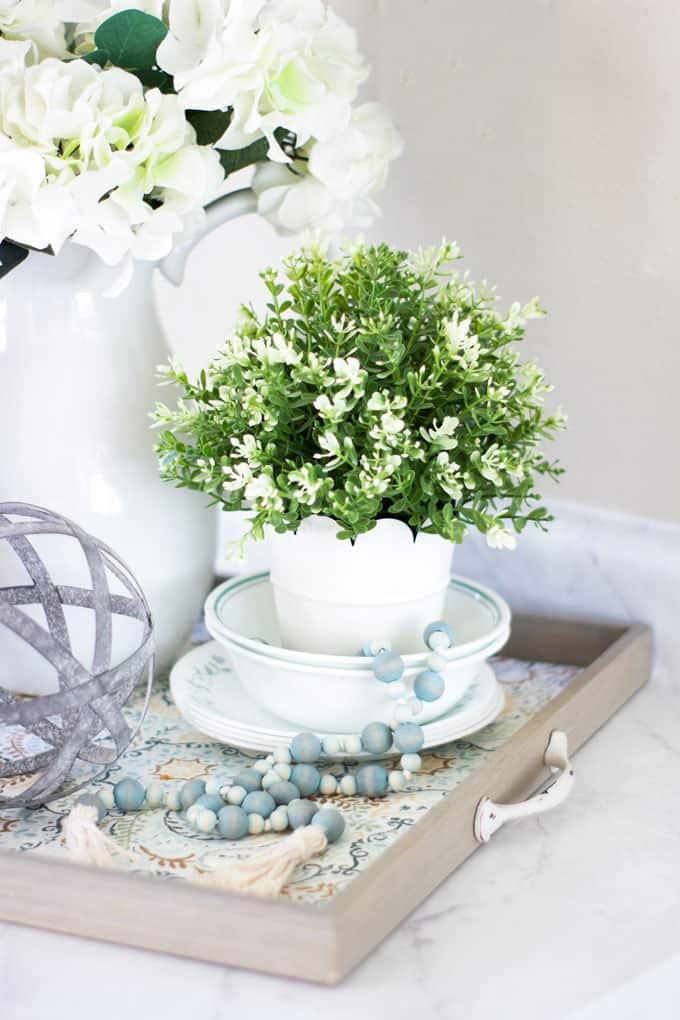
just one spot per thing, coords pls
(573, 914)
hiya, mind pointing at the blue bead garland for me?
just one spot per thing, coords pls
(271, 796)
(429, 685)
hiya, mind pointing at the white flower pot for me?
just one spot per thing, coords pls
(77, 383)
(333, 595)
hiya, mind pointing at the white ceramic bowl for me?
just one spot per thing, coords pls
(241, 611)
(339, 694)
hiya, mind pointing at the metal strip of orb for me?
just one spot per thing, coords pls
(83, 721)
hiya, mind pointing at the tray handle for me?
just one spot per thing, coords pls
(489, 816)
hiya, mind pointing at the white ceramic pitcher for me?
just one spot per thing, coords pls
(77, 384)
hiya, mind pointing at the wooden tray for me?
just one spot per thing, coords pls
(320, 932)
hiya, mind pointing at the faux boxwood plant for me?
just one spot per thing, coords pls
(382, 383)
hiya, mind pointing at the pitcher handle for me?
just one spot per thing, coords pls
(228, 207)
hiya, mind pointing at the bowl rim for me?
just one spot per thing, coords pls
(364, 672)
(232, 586)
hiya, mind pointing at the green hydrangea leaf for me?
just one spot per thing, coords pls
(131, 39)
(236, 159)
(96, 57)
(209, 125)
(11, 255)
(154, 78)
(257, 152)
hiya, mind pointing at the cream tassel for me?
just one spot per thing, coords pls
(263, 874)
(266, 873)
(86, 842)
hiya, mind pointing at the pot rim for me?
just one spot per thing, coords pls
(356, 663)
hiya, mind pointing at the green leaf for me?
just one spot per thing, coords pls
(154, 78)
(236, 159)
(96, 57)
(11, 255)
(209, 125)
(131, 39)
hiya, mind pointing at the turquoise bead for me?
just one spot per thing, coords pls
(232, 822)
(376, 738)
(306, 778)
(190, 792)
(92, 800)
(429, 685)
(372, 781)
(438, 627)
(388, 667)
(332, 823)
(283, 792)
(259, 803)
(301, 812)
(211, 802)
(305, 747)
(408, 737)
(249, 780)
(128, 795)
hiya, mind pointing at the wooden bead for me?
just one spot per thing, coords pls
(305, 748)
(259, 803)
(353, 744)
(279, 819)
(376, 738)
(372, 781)
(332, 823)
(348, 786)
(128, 795)
(232, 822)
(408, 737)
(396, 781)
(328, 785)
(190, 792)
(206, 821)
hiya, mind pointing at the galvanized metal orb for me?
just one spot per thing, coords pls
(68, 736)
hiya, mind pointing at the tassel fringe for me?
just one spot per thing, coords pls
(266, 873)
(263, 874)
(86, 842)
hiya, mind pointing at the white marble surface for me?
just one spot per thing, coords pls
(575, 914)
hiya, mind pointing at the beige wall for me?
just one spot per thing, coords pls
(545, 138)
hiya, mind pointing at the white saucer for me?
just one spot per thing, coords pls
(208, 693)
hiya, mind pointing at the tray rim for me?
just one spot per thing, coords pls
(323, 941)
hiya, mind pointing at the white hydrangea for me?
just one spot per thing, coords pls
(333, 189)
(86, 149)
(291, 64)
(41, 22)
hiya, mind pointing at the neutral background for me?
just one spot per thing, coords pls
(544, 137)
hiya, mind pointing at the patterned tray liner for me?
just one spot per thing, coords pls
(170, 750)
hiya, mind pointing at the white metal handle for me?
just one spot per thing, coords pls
(489, 816)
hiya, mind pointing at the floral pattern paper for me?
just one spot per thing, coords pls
(168, 749)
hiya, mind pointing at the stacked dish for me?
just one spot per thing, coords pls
(211, 697)
(339, 693)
